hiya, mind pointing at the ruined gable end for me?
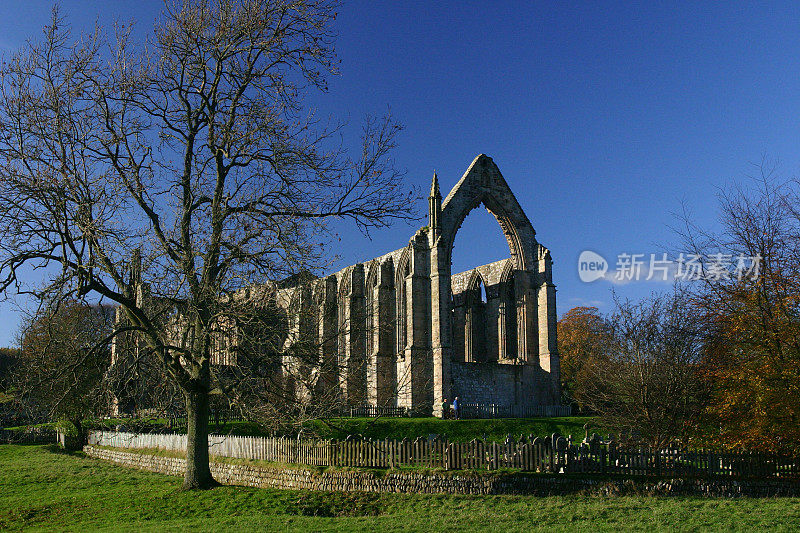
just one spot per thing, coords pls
(403, 331)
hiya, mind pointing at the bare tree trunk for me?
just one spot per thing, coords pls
(248, 191)
(198, 472)
(79, 429)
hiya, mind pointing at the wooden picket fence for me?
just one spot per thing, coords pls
(680, 462)
(554, 454)
(374, 411)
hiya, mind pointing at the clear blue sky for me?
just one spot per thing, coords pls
(603, 117)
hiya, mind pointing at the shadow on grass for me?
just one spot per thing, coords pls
(336, 504)
(57, 449)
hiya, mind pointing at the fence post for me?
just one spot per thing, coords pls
(549, 454)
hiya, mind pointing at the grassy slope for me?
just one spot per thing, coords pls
(399, 428)
(456, 430)
(44, 490)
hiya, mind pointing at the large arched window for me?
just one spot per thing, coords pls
(343, 323)
(401, 285)
(475, 323)
(370, 321)
(479, 241)
(508, 316)
(477, 308)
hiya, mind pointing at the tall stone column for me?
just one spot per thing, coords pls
(469, 327)
(418, 350)
(527, 342)
(507, 321)
(402, 307)
(548, 347)
(493, 325)
(548, 350)
(441, 335)
(457, 328)
(502, 330)
(301, 358)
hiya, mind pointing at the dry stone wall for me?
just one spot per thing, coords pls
(296, 477)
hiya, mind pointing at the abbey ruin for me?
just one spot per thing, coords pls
(401, 330)
(404, 331)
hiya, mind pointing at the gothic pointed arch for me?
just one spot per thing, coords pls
(508, 272)
(403, 265)
(476, 281)
(345, 280)
(475, 319)
(508, 316)
(483, 183)
(370, 306)
(343, 319)
(372, 272)
(401, 299)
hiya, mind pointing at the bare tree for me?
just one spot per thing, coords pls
(750, 308)
(167, 177)
(647, 386)
(64, 355)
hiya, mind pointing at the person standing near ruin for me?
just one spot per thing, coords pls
(457, 408)
(445, 409)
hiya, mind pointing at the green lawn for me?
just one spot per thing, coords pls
(411, 428)
(43, 489)
(456, 430)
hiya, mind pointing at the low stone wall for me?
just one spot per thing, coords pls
(297, 477)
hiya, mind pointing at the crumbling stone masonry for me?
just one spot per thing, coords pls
(401, 330)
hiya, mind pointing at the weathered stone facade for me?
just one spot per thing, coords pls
(401, 330)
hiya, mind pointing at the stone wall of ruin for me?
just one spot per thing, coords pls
(401, 329)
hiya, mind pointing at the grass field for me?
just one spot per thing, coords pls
(398, 428)
(43, 489)
(456, 430)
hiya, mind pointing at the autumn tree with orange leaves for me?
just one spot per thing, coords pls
(583, 338)
(637, 368)
(752, 352)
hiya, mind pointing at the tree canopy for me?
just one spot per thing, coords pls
(164, 177)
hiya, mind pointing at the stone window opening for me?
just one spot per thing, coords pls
(369, 313)
(403, 272)
(508, 318)
(475, 323)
